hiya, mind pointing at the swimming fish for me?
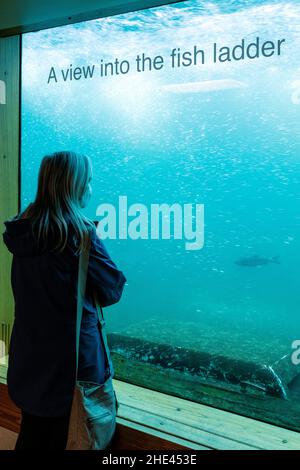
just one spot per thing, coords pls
(256, 260)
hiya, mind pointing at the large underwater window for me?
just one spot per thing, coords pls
(195, 103)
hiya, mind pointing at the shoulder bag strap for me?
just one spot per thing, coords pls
(103, 333)
(82, 275)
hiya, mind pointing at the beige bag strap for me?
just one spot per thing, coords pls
(82, 277)
(81, 286)
(103, 334)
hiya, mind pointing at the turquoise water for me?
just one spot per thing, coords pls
(232, 145)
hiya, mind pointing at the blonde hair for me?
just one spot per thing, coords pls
(62, 185)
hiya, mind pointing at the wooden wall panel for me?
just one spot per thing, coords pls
(9, 166)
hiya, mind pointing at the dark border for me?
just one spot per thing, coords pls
(20, 122)
(88, 16)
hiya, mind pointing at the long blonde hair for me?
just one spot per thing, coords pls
(62, 185)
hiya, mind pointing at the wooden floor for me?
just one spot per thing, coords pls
(7, 439)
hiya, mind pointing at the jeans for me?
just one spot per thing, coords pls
(42, 433)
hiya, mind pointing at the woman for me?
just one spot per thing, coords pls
(46, 240)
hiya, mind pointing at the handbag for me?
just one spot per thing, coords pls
(94, 407)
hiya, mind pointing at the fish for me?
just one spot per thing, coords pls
(256, 260)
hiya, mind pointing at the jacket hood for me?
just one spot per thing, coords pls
(18, 237)
(21, 241)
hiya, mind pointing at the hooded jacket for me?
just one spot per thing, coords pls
(42, 352)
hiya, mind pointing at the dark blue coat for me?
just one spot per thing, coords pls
(42, 359)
